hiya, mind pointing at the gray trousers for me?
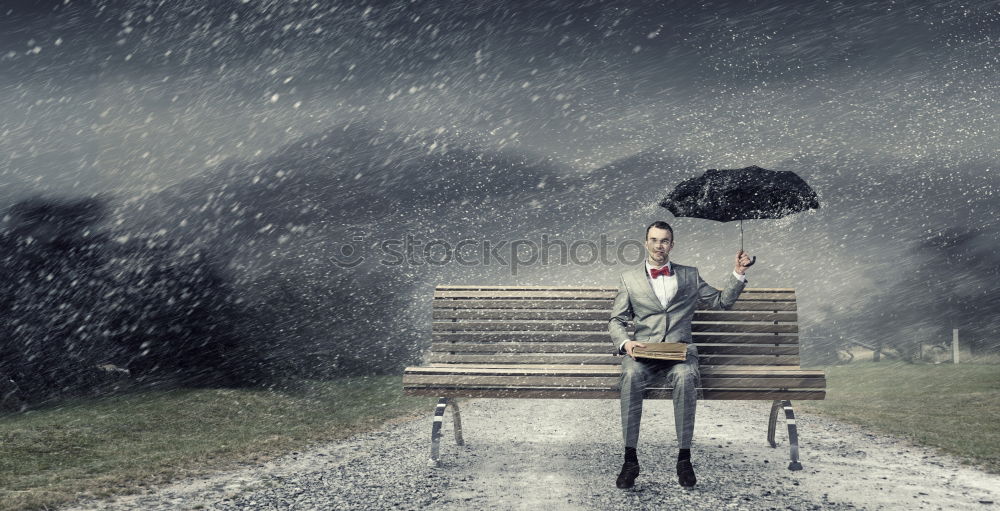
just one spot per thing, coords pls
(683, 377)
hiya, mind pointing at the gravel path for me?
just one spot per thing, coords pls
(565, 454)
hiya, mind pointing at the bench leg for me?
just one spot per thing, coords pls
(793, 435)
(772, 422)
(436, 431)
(457, 418)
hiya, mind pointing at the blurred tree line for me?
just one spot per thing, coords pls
(88, 311)
(950, 285)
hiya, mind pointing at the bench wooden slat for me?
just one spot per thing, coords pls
(569, 358)
(610, 382)
(545, 326)
(507, 381)
(605, 304)
(744, 349)
(714, 369)
(455, 287)
(598, 315)
(521, 370)
(557, 393)
(522, 347)
(606, 370)
(585, 294)
(534, 358)
(556, 336)
(592, 347)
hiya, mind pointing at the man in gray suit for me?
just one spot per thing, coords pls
(661, 297)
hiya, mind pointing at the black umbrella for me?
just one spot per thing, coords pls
(741, 194)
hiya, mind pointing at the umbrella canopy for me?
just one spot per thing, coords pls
(741, 194)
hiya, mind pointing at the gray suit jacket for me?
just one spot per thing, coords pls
(637, 301)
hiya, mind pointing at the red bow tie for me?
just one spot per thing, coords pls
(656, 272)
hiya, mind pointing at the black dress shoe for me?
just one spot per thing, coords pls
(626, 479)
(685, 474)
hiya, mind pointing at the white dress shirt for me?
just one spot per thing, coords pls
(666, 287)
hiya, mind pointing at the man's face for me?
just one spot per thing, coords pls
(658, 244)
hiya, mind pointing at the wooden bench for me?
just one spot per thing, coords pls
(553, 342)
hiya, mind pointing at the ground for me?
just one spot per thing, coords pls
(565, 455)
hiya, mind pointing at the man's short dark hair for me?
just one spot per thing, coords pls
(659, 224)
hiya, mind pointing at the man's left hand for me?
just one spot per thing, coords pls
(743, 262)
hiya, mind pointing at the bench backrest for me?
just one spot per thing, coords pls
(569, 325)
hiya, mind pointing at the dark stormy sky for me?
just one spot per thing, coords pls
(890, 109)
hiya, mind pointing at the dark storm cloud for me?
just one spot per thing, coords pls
(141, 94)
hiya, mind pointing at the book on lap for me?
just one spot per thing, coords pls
(662, 351)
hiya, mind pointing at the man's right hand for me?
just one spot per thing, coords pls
(631, 345)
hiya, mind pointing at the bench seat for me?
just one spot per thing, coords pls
(601, 381)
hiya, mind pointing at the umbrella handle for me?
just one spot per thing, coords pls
(754, 258)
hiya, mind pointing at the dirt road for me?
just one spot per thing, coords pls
(565, 455)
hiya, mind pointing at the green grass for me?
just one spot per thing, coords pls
(118, 445)
(955, 408)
